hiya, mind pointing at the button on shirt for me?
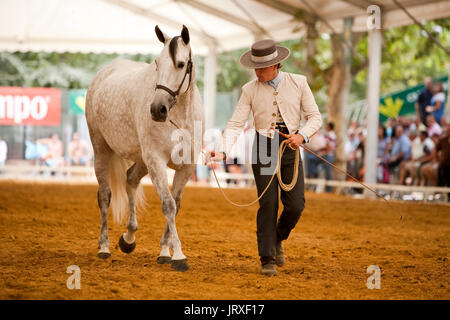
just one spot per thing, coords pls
(274, 84)
(292, 98)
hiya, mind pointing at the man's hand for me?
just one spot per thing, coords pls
(294, 140)
(212, 157)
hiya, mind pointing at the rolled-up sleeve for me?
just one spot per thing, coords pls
(310, 110)
(236, 124)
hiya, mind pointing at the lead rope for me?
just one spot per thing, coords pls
(285, 187)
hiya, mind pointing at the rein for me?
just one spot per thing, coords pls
(285, 187)
(175, 94)
(340, 170)
(290, 186)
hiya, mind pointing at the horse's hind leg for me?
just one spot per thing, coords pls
(179, 181)
(135, 173)
(101, 164)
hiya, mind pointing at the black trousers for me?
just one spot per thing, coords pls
(270, 229)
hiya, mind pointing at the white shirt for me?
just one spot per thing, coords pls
(292, 97)
(418, 147)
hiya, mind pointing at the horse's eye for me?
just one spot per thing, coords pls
(180, 65)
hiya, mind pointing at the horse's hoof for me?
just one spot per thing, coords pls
(104, 255)
(180, 265)
(126, 247)
(163, 260)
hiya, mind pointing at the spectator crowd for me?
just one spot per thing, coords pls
(50, 151)
(411, 150)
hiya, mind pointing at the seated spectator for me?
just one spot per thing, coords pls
(80, 152)
(360, 154)
(351, 152)
(54, 155)
(429, 171)
(391, 124)
(443, 157)
(382, 155)
(401, 148)
(411, 124)
(421, 153)
(437, 103)
(432, 126)
(354, 125)
(330, 149)
(318, 144)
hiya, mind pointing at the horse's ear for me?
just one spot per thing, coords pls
(185, 34)
(160, 34)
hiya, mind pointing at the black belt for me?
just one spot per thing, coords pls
(280, 125)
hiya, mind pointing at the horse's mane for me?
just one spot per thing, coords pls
(173, 49)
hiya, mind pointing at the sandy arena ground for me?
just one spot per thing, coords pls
(47, 227)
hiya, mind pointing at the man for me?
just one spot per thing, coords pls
(351, 148)
(401, 148)
(276, 100)
(313, 164)
(443, 157)
(54, 156)
(421, 153)
(80, 153)
(330, 137)
(424, 100)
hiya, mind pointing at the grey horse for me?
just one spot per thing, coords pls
(131, 108)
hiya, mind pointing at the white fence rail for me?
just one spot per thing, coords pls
(86, 174)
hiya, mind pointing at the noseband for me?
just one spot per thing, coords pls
(175, 94)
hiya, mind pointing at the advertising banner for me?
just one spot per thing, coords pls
(77, 101)
(30, 106)
(403, 102)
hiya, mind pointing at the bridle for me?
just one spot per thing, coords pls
(175, 94)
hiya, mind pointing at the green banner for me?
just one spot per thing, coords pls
(403, 102)
(77, 101)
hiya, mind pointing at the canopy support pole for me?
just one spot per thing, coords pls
(373, 101)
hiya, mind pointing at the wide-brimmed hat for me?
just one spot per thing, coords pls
(264, 53)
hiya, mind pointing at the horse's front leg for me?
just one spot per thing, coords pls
(157, 171)
(179, 182)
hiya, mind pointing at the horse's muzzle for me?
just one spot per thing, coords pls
(159, 112)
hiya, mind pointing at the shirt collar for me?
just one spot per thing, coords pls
(275, 81)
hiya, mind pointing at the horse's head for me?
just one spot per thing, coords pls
(173, 72)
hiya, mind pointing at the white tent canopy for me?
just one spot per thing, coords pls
(128, 25)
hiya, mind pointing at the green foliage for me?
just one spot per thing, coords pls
(60, 70)
(408, 56)
(320, 62)
(231, 74)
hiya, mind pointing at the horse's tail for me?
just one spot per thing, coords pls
(118, 184)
